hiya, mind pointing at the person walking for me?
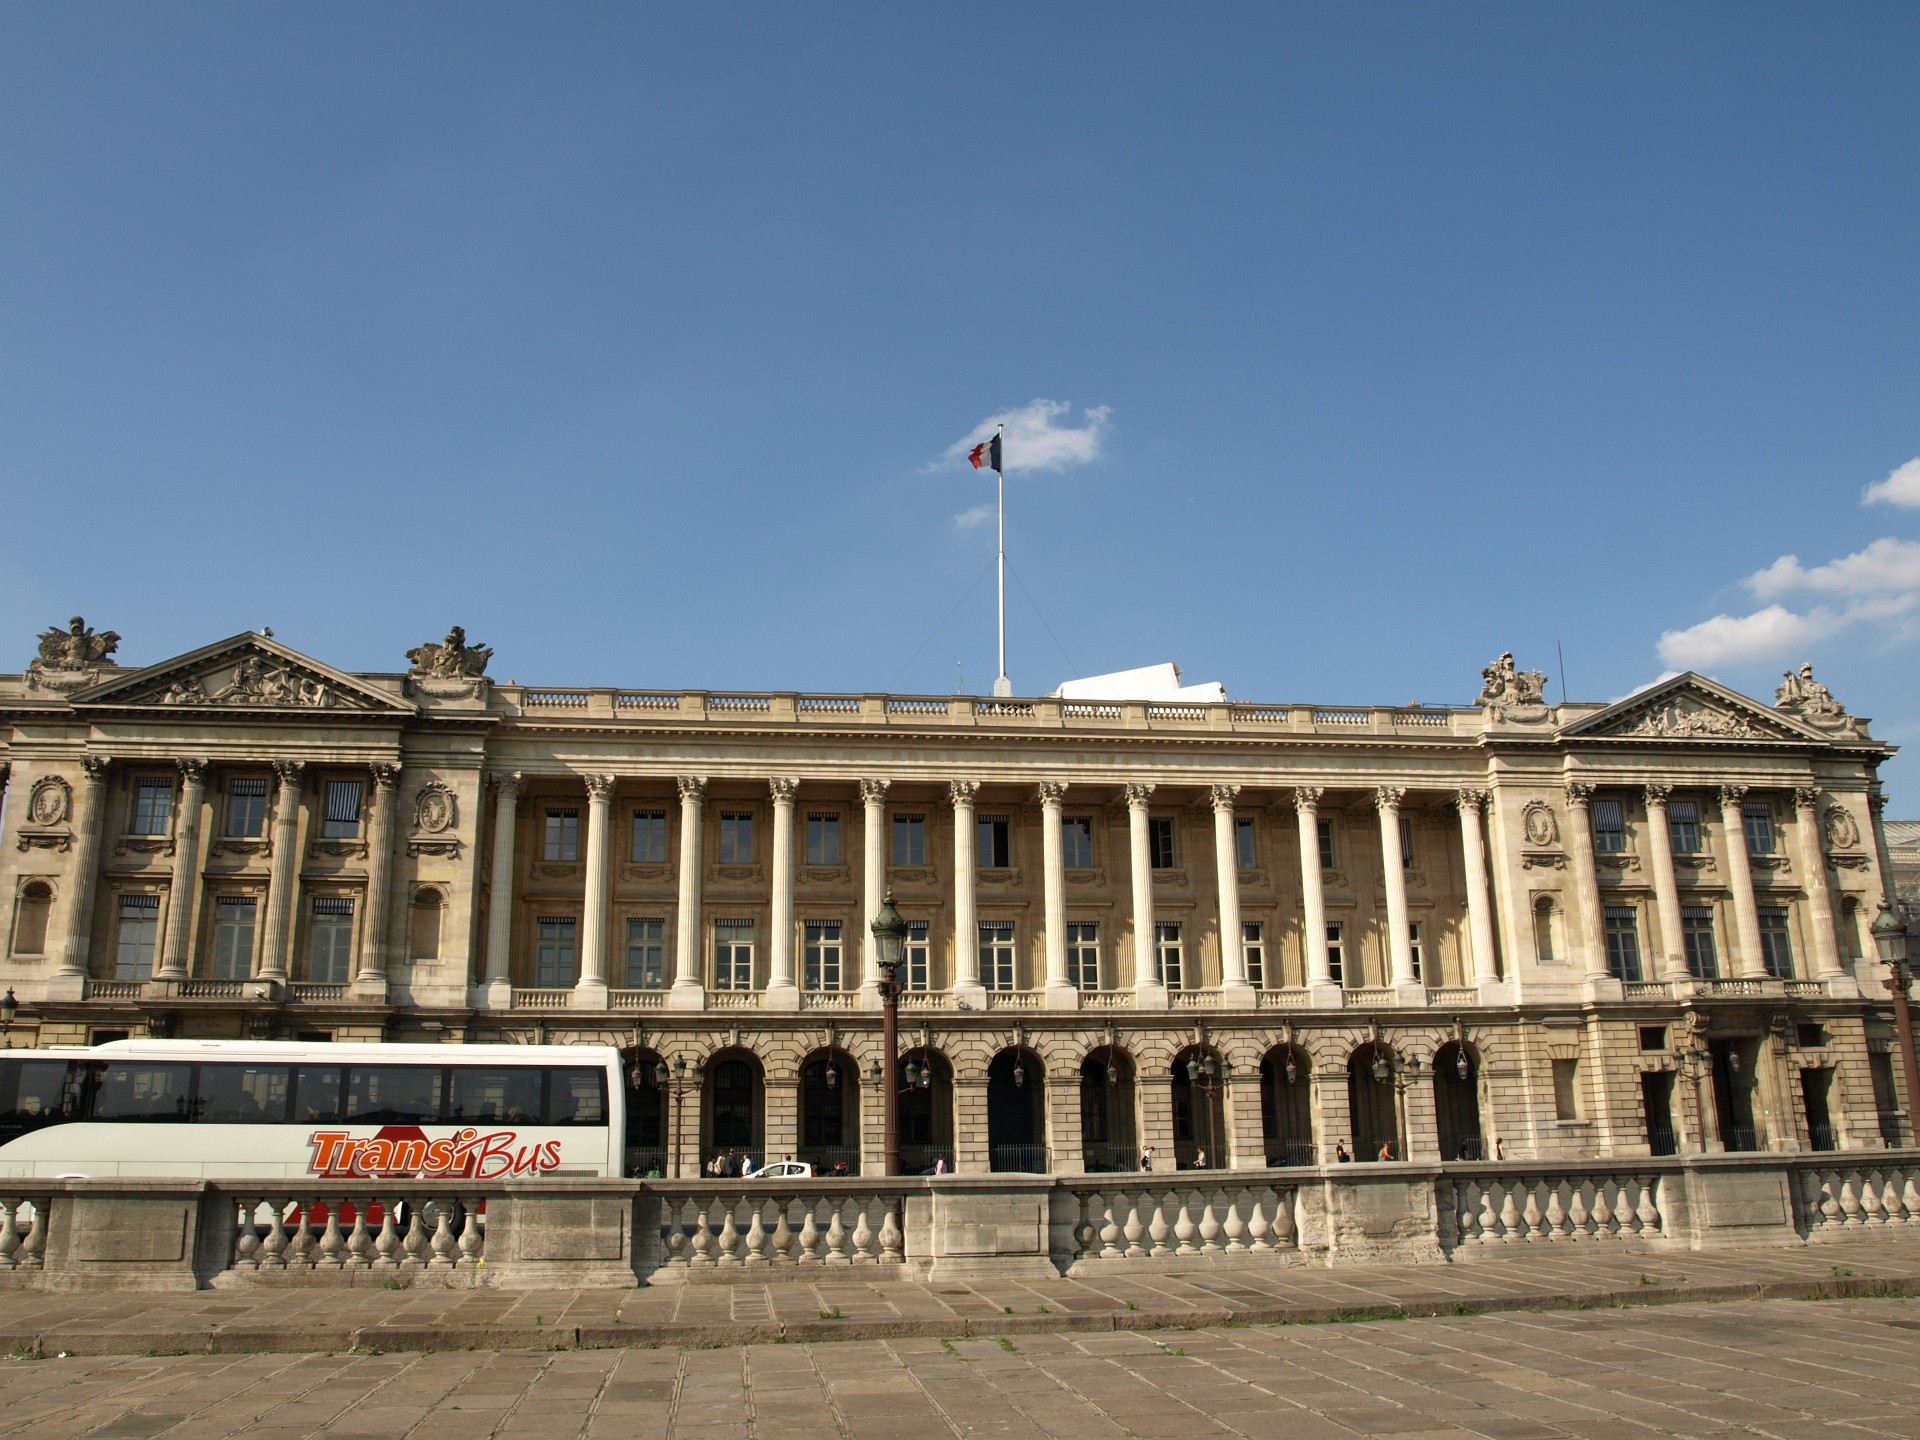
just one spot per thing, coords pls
(1146, 1158)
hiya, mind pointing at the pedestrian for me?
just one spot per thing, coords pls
(1199, 1159)
(746, 1167)
(732, 1168)
(1146, 1158)
(940, 1165)
(1386, 1150)
(1340, 1155)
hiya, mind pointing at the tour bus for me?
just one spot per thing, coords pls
(240, 1109)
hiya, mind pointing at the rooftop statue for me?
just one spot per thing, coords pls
(1802, 695)
(1504, 684)
(75, 648)
(451, 659)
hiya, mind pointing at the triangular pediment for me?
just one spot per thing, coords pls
(1691, 707)
(248, 672)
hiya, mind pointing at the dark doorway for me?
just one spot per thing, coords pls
(1886, 1100)
(1108, 1140)
(733, 1107)
(1376, 1126)
(925, 1113)
(1017, 1112)
(1456, 1102)
(647, 1116)
(1816, 1084)
(1733, 1092)
(1286, 1106)
(1656, 1106)
(1199, 1109)
(830, 1113)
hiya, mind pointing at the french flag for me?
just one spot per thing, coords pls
(986, 455)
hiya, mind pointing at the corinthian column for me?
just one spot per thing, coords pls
(1313, 905)
(372, 978)
(1061, 995)
(1226, 868)
(506, 789)
(1149, 985)
(1473, 849)
(590, 991)
(1746, 915)
(873, 885)
(89, 818)
(781, 993)
(186, 871)
(1813, 865)
(688, 993)
(966, 920)
(1586, 883)
(1666, 888)
(276, 945)
(1387, 800)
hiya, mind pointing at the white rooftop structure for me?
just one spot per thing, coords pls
(1149, 682)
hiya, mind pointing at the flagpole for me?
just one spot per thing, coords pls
(1002, 686)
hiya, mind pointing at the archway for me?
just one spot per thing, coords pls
(1199, 1111)
(646, 1139)
(733, 1112)
(1456, 1102)
(1286, 1106)
(1108, 1137)
(924, 1112)
(830, 1113)
(1734, 1076)
(1017, 1112)
(1376, 1126)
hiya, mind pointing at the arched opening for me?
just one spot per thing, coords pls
(1456, 1102)
(1108, 1138)
(1017, 1112)
(30, 918)
(924, 1112)
(1199, 1110)
(1286, 1106)
(733, 1112)
(829, 1113)
(1735, 1076)
(424, 926)
(1546, 930)
(647, 1082)
(1376, 1126)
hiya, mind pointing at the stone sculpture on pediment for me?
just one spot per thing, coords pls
(1682, 717)
(1800, 694)
(254, 680)
(1512, 693)
(71, 659)
(451, 668)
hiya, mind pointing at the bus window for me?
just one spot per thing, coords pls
(142, 1090)
(32, 1093)
(493, 1095)
(576, 1097)
(394, 1094)
(316, 1094)
(242, 1094)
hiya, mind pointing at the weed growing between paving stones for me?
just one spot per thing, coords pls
(1649, 1279)
(1841, 1272)
(832, 1314)
(1007, 1345)
(1006, 1309)
(947, 1345)
(1132, 1306)
(1042, 1310)
(1461, 1307)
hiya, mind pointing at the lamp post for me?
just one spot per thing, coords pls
(889, 944)
(1404, 1071)
(678, 1082)
(1204, 1073)
(1890, 938)
(9, 1012)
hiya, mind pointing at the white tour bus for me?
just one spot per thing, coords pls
(347, 1112)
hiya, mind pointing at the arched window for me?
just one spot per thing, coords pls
(30, 918)
(425, 931)
(1545, 923)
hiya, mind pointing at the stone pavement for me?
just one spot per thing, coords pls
(834, 1303)
(1781, 1369)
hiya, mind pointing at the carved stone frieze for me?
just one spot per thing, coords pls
(1849, 862)
(1618, 862)
(418, 846)
(1687, 717)
(31, 840)
(251, 679)
(241, 846)
(143, 845)
(341, 848)
(1542, 860)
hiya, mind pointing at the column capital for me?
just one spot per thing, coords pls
(506, 783)
(961, 792)
(873, 791)
(782, 788)
(693, 789)
(1658, 795)
(600, 787)
(1307, 797)
(1469, 799)
(1732, 795)
(1051, 792)
(95, 766)
(1579, 794)
(193, 771)
(291, 773)
(1388, 797)
(1221, 797)
(386, 777)
(1877, 800)
(1138, 793)
(1807, 797)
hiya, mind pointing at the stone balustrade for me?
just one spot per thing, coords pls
(1850, 1198)
(393, 1229)
(1213, 1217)
(1507, 1207)
(779, 1225)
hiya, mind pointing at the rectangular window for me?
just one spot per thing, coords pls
(909, 841)
(1166, 953)
(1076, 842)
(649, 837)
(736, 837)
(919, 951)
(1253, 945)
(823, 837)
(556, 953)
(822, 962)
(139, 931)
(1243, 851)
(1623, 942)
(1609, 827)
(152, 805)
(394, 1094)
(1758, 815)
(646, 954)
(563, 834)
(1325, 832)
(1406, 843)
(331, 959)
(995, 842)
(241, 1094)
(1683, 825)
(1337, 950)
(1160, 841)
(996, 954)
(1566, 1090)
(1413, 944)
(246, 809)
(143, 1090)
(1653, 1037)
(1776, 948)
(341, 820)
(733, 954)
(1696, 935)
(1083, 955)
(233, 929)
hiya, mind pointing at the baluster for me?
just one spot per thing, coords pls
(332, 1242)
(1910, 1195)
(1830, 1211)
(1466, 1195)
(1209, 1224)
(1873, 1214)
(1103, 1213)
(1184, 1228)
(1259, 1226)
(472, 1242)
(444, 1243)
(417, 1251)
(33, 1250)
(1603, 1213)
(246, 1238)
(1284, 1235)
(359, 1254)
(1233, 1225)
(9, 1232)
(1626, 1218)
(1850, 1199)
(1649, 1208)
(1509, 1212)
(1557, 1226)
(1891, 1205)
(810, 1236)
(727, 1249)
(1136, 1229)
(273, 1249)
(837, 1236)
(1580, 1211)
(386, 1246)
(300, 1243)
(1531, 1217)
(1159, 1227)
(892, 1242)
(782, 1235)
(756, 1237)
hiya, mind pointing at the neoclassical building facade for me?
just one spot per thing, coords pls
(1232, 934)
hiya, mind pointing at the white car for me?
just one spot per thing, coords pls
(784, 1170)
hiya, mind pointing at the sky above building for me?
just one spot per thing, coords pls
(1340, 347)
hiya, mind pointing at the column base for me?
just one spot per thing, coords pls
(1495, 992)
(782, 997)
(1409, 994)
(590, 995)
(1840, 985)
(1604, 988)
(1062, 997)
(686, 995)
(1238, 995)
(1325, 995)
(368, 990)
(870, 997)
(970, 997)
(66, 985)
(492, 995)
(1149, 997)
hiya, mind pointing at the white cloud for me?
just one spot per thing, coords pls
(1771, 634)
(1040, 435)
(1902, 487)
(1884, 567)
(973, 519)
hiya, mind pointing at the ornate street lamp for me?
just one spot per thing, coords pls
(9, 1012)
(1205, 1073)
(890, 948)
(1890, 938)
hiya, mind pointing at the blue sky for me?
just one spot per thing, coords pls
(1364, 342)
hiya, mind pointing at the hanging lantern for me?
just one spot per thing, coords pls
(1293, 1068)
(1113, 1073)
(1380, 1071)
(833, 1077)
(1019, 1075)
